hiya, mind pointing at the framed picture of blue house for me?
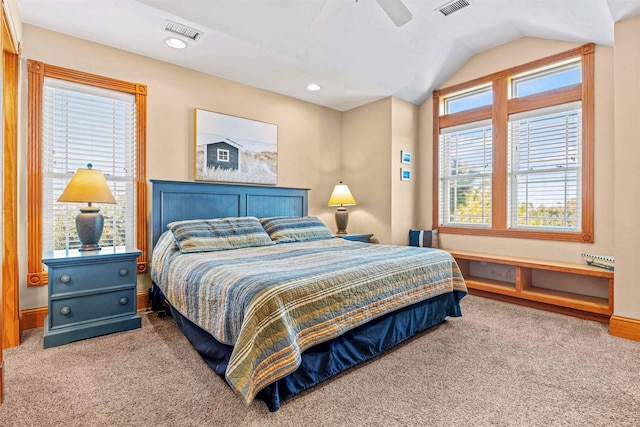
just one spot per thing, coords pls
(234, 149)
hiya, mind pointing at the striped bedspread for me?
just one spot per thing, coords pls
(272, 303)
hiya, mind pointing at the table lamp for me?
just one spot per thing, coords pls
(88, 186)
(341, 197)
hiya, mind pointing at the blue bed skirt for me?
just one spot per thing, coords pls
(327, 359)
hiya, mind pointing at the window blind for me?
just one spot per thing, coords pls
(545, 168)
(84, 124)
(465, 154)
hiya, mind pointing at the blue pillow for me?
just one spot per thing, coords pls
(423, 238)
(283, 229)
(220, 234)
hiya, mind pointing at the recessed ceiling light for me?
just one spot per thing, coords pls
(175, 43)
(313, 86)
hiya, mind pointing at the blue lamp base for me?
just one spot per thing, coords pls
(89, 224)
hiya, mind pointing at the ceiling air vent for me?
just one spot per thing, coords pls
(453, 6)
(182, 30)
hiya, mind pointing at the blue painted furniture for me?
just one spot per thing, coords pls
(179, 200)
(366, 238)
(90, 294)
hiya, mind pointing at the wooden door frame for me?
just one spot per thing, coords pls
(9, 309)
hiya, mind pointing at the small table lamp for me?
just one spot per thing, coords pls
(341, 197)
(88, 186)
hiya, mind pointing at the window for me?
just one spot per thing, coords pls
(223, 155)
(83, 124)
(544, 169)
(520, 165)
(465, 174)
(548, 79)
(468, 100)
(74, 119)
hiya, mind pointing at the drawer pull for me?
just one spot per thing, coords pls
(124, 271)
(65, 310)
(65, 278)
(124, 301)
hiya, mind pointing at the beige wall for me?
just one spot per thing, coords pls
(372, 137)
(366, 136)
(511, 54)
(404, 136)
(626, 86)
(16, 19)
(309, 136)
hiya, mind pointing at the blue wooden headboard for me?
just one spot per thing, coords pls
(180, 200)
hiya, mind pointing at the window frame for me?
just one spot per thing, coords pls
(446, 180)
(499, 113)
(468, 93)
(222, 154)
(37, 71)
(524, 178)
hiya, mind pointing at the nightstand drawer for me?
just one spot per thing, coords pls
(92, 307)
(76, 278)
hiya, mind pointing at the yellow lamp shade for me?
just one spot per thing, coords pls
(341, 196)
(87, 186)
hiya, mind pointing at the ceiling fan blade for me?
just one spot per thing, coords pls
(396, 10)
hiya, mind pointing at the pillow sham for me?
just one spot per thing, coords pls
(423, 238)
(220, 234)
(283, 229)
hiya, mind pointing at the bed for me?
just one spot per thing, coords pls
(274, 319)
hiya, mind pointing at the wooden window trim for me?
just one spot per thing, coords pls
(513, 71)
(37, 71)
(473, 115)
(9, 306)
(545, 99)
(502, 107)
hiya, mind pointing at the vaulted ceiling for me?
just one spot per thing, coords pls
(351, 48)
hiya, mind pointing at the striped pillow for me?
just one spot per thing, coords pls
(423, 238)
(283, 229)
(208, 235)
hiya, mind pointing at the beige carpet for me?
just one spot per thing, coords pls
(498, 365)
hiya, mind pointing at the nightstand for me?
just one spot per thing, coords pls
(366, 238)
(90, 293)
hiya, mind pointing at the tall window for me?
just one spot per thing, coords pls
(515, 158)
(465, 174)
(77, 118)
(545, 168)
(81, 124)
